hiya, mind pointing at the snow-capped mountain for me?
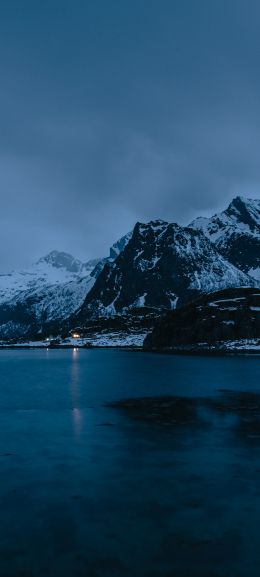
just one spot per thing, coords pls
(50, 291)
(155, 267)
(56, 268)
(162, 264)
(51, 288)
(236, 234)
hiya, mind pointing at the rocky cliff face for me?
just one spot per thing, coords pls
(236, 234)
(221, 316)
(162, 265)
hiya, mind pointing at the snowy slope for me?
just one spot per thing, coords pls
(236, 234)
(54, 269)
(50, 291)
(163, 264)
(52, 288)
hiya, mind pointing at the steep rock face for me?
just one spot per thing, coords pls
(236, 234)
(163, 264)
(231, 314)
(118, 246)
(114, 251)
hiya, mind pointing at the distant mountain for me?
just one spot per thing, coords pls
(162, 265)
(49, 292)
(228, 315)
(51, 288)
(236, 234)
(62, 260)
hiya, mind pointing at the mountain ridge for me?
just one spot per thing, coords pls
(158, 266)
(162, 264)
(236, 233)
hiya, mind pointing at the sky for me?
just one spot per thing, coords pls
(113, 112)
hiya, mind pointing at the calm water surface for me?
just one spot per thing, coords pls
(87, 490)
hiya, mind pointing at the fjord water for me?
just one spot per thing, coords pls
(86, 490)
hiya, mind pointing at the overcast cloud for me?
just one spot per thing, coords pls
(113, 112)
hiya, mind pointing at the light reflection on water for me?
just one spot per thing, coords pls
(74, 386)
(87, 490)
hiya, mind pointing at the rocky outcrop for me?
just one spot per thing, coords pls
(227, 315)
(236, 234)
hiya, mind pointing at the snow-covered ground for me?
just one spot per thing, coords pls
(239, 345)
(52, 289)
(112, 339)
(243, 344)
(116, 339)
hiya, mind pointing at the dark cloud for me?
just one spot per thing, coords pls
(112, 112)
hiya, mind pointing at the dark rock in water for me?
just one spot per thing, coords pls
(161, 410)
(107, 424)
(243, 408)
(226, 315)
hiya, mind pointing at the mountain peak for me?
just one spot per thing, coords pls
(236, 233)
(158, 223)
(63, 260)
(148, 228)
(245, 211)
(239, 200)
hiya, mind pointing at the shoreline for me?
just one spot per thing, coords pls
(177, 351)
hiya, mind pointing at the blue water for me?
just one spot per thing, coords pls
(86, 490)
